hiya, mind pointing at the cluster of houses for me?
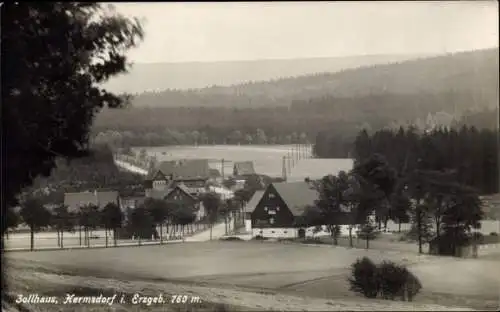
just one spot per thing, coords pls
(181, 181)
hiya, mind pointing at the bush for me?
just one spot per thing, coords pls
(493, 234)
(388, 279)
(395, 280)
(364, 278)
(231, 238)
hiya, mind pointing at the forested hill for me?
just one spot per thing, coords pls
(162, 76)
(473, 73)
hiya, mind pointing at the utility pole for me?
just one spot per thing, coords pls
(222, 169)
(283, 168)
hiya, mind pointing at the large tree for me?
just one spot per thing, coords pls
(89, 218)
(211, 202)
(160, 211)
(11, 220)
(62, 220)
(36, 216)
(111, 219)
(57, 55)
(61, 53)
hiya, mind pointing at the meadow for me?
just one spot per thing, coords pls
(267, 159)
(236, 271)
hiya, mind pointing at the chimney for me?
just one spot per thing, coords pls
(284, 168)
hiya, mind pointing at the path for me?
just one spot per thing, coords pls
(218, 231)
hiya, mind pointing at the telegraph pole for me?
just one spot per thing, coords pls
(222, 169)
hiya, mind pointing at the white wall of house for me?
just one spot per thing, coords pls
(248, 225)
(276, 232)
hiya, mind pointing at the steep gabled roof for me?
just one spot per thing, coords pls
(192, 168)
(244, 168)
(104, 198)
(254, 201)
(214, 173)
(76, 200)
(296, 195)
(183, 188)
(183, 169)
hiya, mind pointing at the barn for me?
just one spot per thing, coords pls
(243, 168)
(280, 209)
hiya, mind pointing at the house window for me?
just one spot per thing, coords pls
(278, 208)
(271, 221)
(265, 208)
(271, 195)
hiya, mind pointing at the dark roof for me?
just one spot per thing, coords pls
(158, 194)
(254, 201)
(214, 173)
(104, 198)
(491, 206)
(76, 200)
(183, 169)
(244, 167)
(297, 196)
(183, 188)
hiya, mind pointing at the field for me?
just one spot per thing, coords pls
(267, 159)
(255, 275)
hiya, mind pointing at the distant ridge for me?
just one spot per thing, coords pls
(473, 74)
(189, 75)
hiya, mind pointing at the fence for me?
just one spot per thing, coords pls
(98, 238)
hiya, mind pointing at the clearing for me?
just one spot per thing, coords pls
(254, 275)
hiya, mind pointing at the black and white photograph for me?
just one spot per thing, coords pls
(250, 156)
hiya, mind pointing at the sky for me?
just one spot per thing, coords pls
(224, 31)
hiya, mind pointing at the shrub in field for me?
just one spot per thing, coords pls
(388, 280)
(493, 234)
(395, 280)
(363, 278)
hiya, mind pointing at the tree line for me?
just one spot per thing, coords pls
(165, 137)
(120, 223)
(433, 200)
(470, 153)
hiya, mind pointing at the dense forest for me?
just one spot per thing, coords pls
(300, 122)
(96, 171)
(471, 153)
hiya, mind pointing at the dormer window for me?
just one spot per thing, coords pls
(271, 195)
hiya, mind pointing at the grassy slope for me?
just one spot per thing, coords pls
(253, 274)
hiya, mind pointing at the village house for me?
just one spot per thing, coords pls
(243, 168)
(75, 201)
(280, 211)
(250, 207)
(194, 173)
(491, 206)
(180, 194)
